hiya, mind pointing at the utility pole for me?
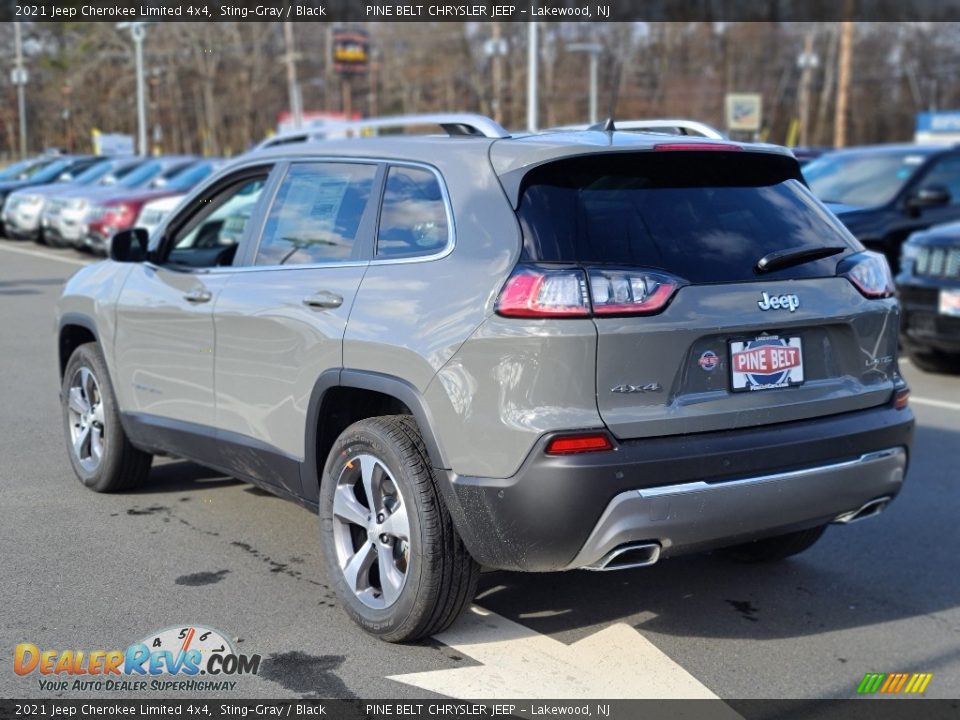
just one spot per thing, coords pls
(19, 78)
(532, 57)
(496, 48)
(843, 84)
(138, 32)
(293, 88)
(807, 62)
(593, 50)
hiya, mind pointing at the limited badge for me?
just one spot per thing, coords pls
(709, 361)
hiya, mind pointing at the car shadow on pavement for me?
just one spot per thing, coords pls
(898, 565)
(172, 476)
(29, 286)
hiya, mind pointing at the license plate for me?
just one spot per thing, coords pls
(766, 363)
(950, 302)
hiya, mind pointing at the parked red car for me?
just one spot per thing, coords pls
(119, 212)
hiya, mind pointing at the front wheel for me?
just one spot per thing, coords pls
(393, 557)
(102, 456)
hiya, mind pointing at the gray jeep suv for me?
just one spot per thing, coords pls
(583, 349)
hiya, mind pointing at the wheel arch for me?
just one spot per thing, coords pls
(75, 329)
(391, 394)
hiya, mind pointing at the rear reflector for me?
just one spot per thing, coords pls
(696, 146)
(901, 399)
(572, 444)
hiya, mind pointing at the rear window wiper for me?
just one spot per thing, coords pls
(779, 259)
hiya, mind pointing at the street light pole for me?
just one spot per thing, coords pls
(532, 56)
(293, 87)
(20, 80)
(138, 32)
(594, 50)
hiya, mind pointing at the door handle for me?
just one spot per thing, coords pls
(323, 300)
(200, 295)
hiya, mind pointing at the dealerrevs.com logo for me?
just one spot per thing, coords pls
(188, 658)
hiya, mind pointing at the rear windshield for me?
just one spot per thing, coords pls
(702, 216)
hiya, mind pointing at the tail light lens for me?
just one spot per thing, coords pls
(870, 274)
(533, 291)
(634, 292)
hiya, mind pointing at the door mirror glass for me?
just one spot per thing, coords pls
(129, 245)
(928, 197)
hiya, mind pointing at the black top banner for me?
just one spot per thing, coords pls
(360, 11)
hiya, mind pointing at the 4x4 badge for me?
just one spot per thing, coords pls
(649, 387)
(778, 302)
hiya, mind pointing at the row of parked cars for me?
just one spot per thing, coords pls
(904, 201)
(84, 200)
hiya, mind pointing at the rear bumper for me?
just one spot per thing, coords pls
(686, 493)
(692, 516)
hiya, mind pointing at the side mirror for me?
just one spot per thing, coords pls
(65, 177)
(130, 245)
(929, 197)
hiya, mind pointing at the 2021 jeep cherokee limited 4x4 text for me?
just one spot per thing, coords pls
(568, 350)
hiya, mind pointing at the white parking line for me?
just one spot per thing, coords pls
(516, 662)
(934, 403)
(43, 255)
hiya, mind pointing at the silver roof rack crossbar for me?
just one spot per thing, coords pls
(674, 125)
(454, 124)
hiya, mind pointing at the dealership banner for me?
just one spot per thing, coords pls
(353, 11)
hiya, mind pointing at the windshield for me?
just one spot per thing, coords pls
(141, 176)
(862, 178)
(51, 172)
(704, 217)
(183, 179)
(24, 167)
(93, 173)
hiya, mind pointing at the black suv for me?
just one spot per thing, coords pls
(929, 290)
(883, 193)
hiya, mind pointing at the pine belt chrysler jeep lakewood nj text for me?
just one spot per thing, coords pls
(579, 349)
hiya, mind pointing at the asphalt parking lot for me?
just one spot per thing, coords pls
(87, 571)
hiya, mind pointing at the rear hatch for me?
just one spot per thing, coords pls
(724, 294)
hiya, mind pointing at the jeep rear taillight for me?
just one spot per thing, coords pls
(870, 274)
(535, 291)
(630, 292)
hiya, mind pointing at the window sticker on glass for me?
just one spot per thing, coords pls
(317, 214)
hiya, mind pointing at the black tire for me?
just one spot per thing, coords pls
(933, 361)
(120, 466)
(775, 548)
(440, 576)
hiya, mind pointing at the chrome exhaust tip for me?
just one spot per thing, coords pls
(874, 507)
(628, 555)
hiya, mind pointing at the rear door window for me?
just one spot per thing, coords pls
(705, 217)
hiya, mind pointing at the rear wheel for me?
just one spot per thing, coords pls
(391, 551)
(102, 456)
(775, 548)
